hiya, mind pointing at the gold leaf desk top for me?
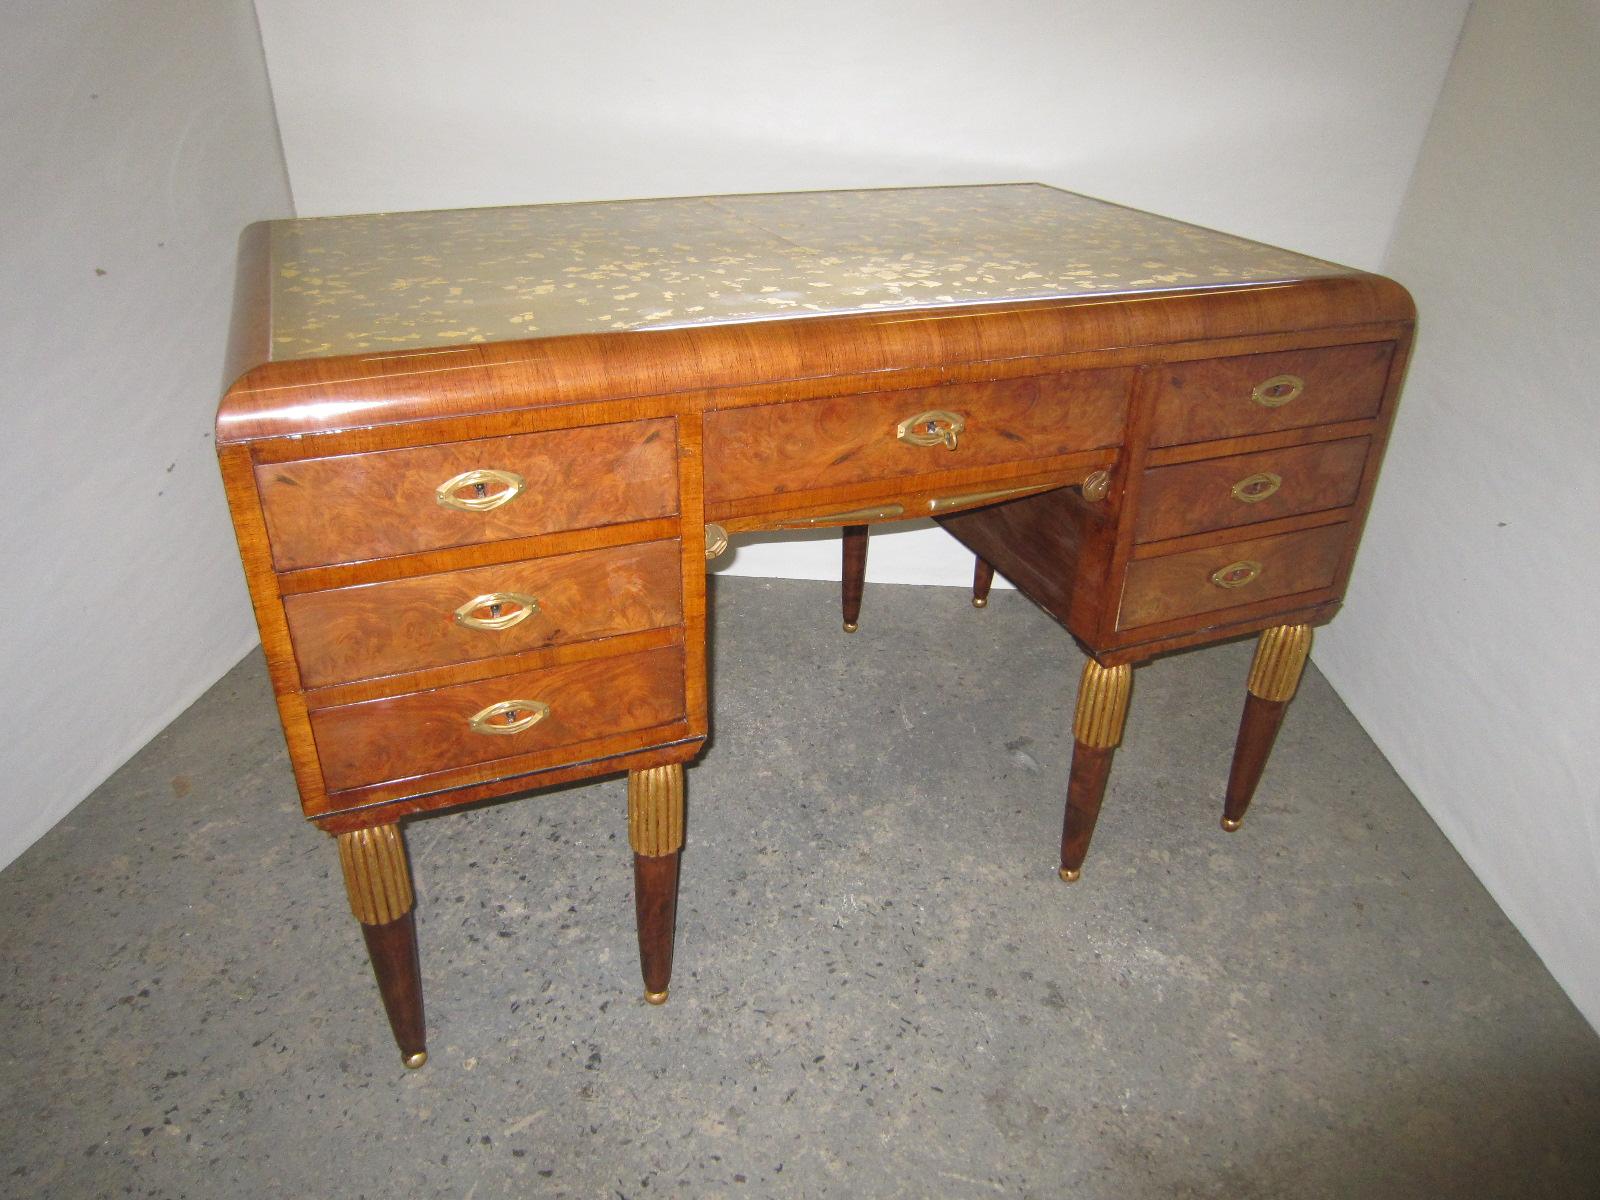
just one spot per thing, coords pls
(399, 281)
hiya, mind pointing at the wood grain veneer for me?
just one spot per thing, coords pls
(1212, 398)
(1180, 585)
(360, 506)
(410, 624)
(630, 438)
(412, 735)
(1198, 496)
(817, 444)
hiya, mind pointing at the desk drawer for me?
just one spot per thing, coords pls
(412, 624)
(360, 506)
(417, 734)
(1219, 493)
(1201, 581)
(1260, 393)
(804, 445)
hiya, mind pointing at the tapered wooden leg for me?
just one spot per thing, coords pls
(655, 830)
(854, 575)
(1274, 675)
(379, 886)
(982, 578)
(1096, 730)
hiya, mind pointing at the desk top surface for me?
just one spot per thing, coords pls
(404, 281)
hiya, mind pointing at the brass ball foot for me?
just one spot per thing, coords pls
(413, 1061)
(980, 602)
(1231, 824)
(851, 627)
(656, 997)
(1070, 874)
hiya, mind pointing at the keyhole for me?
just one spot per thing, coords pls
(480, 489)
(494, 610)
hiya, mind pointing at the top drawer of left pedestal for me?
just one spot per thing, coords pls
(352, 507)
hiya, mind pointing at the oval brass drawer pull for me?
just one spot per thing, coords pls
(1236, 574)
(509, 716)
(932, 428)
(1277, 391)
(505, 609)
(481, 499)
(1254, 488)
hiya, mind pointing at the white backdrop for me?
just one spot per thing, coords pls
(136, 140)
(1297, 124)
(1469, 644)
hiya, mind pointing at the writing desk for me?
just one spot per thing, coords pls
(476, 461)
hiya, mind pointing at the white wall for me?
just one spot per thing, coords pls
(1294, 123)
(1470, 644)
(135, 140)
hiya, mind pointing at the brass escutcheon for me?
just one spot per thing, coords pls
(518, 714)
(1277, 391)
(936, 427)
(522, 607)
(1257, 487)
(482, 499)
(1236, 574)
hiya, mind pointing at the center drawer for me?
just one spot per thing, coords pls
(417, 734)
(353, 507)
(781, 448)
(459, 616)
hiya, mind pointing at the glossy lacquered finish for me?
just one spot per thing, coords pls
(410, 624)
(1224, 397)
(1247, 489)
(359, 506)
(426, 732)
(773, 449)
(1206, 580)
(475, 548)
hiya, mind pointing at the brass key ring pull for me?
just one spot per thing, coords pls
(935, 427)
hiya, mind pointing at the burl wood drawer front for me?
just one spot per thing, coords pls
(1260, 393)
(479, 722)
(1219, 493)
(780, 448)
(460, 616)
(1202, 581)
(359, 506)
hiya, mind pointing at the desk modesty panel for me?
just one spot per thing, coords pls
(477, 459)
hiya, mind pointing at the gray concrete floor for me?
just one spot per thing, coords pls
(882, 989)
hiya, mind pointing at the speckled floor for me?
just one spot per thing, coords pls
(882, 989)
